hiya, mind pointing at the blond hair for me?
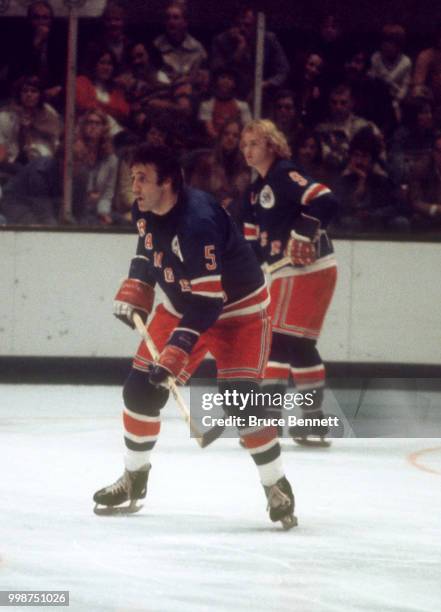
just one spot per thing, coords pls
(272, 135)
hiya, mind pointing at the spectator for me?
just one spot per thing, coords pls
(366, 196)
(426, 81)
(308, 89)
(41, 51)
(223, 106)
(223, 172)
(112, 35)
(284, 114)
(425, 190)
(330, 45)
(235, 49)
(145, 86)
(307, 153)
(337, 133)
(189, 131)
(411, 141)
(182, 55)
(34, 195)
(98, 90)
(390, 65)
(29, 127)
(371, 96)
(98, 165)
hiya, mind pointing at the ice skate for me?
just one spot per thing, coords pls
(311, 434)
(281, 503)
(130, 487)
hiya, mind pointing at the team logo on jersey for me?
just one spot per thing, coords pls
(176, 249)
(266, 198)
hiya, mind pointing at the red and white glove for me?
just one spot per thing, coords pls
(174, 357)
(133, 295)
(301, 250)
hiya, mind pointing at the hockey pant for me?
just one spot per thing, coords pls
(298, 308)
(240, 347)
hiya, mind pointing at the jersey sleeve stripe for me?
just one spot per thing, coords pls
(314, 191)
(250, 231)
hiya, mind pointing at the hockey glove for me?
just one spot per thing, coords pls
(133, 295)
(301, 249)
(174, 357)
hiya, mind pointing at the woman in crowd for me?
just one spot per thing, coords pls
(29, 127)
(97, 166)
(97, 89)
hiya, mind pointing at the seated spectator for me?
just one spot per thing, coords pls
(41, 51)
(112, 35)
(189, 130)
(33, 196)
(223, 106)
(337, 132)
(29, 127)
(223, 171)
(411, 141)
(145, 86)
(235, 49)
(425, 190)
(389, 64)
(98, 166)
(182, 55)
(307, 153)
(308, 89)
(330, 45)
(284, 114)
(97, 89)
(426, 79)
(366, 196)
(371, 96)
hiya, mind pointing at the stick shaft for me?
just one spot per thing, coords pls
(285, 261)
(139, 324)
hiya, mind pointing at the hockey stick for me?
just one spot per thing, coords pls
(285, 261)
(203, 439)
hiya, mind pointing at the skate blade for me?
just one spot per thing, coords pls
(289, 521)
(117, 510)
(313, 442)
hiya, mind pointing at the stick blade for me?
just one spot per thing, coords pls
(211, 435)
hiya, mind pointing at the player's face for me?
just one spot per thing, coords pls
(148, 193)
(257, 152)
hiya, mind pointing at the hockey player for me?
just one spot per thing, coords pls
(216, 300)
(286, 214)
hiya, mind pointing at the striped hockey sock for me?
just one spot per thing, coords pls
(140, 435)
(264, 448)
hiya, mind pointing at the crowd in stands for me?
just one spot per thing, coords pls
(364, 119)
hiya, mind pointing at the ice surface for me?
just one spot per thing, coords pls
(369, 535)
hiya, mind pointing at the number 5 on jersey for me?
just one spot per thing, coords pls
(211, 257)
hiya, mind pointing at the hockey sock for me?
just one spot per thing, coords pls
(141, 418)
(264, 448)
(308, 373)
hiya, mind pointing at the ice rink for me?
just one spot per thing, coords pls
(369, 534)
